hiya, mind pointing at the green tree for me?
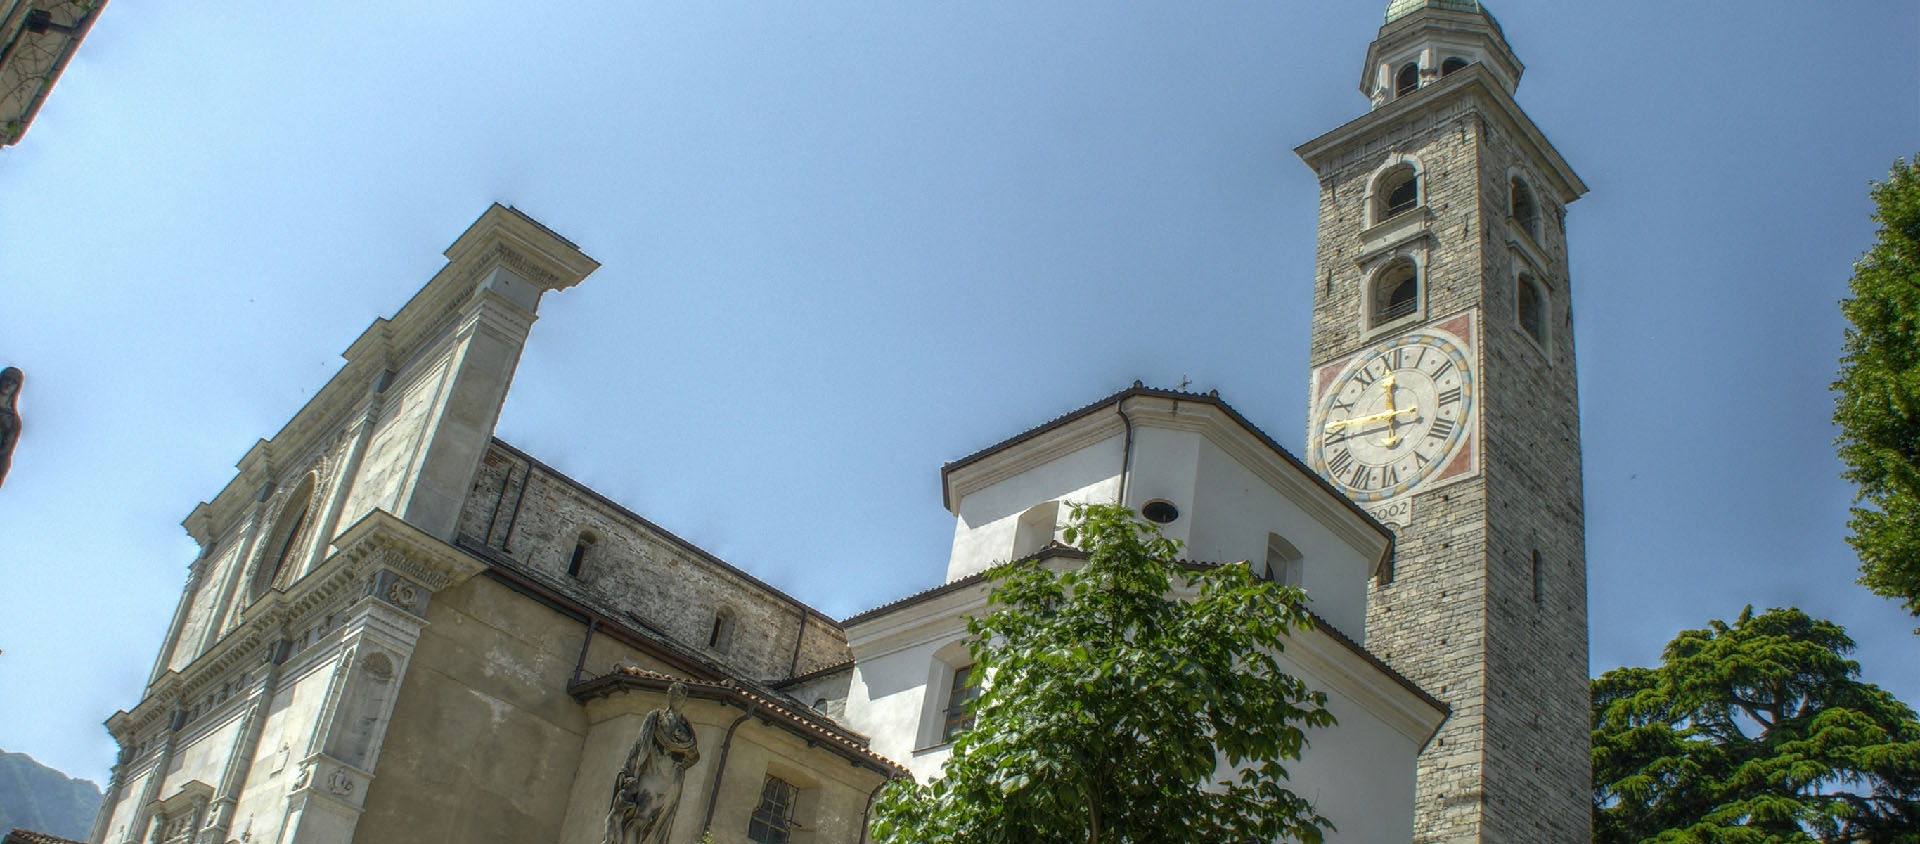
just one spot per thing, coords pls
(1114, 690)
(1759, 732)
(1878, 407)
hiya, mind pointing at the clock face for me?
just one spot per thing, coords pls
(1395, 416)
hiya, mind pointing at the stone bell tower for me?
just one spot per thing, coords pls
(1444, 401)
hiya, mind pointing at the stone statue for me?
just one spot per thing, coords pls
(10, 379)
(647, 791)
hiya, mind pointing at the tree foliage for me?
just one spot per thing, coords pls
(1878, 407)
(1110, 704)
(1759, 732)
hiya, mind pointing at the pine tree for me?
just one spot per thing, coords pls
(1758, 732)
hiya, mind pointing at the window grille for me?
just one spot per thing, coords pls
(1396, 294)
(772, 821)
(1404, 196)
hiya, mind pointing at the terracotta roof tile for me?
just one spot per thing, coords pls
(24, 836)
(809, 725)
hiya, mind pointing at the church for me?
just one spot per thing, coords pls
(400, 628)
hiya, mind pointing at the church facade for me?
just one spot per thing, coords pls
(400, 628)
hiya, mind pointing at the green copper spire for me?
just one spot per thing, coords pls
(1398, 9)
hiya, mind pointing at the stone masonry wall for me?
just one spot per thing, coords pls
(1430, 622)
(1459, 618)
(1538, 766)
(528, 512)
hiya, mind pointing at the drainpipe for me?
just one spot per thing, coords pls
(1126, 455)
(592, 625)
(866, 818)
(794, 666)
(720, 767)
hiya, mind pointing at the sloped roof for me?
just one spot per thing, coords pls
(24, 836)
(810, 726)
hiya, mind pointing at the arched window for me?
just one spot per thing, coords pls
(1531, 308)
(1035, 529)
(1285, 564)
(1396, 191)
(720, 636)
(1407, 81)
(582, 549)
(950, 686)
(1522, 208)
(283, 539)
(1395, 293)
(1452, 64)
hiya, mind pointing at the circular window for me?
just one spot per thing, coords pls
(1160, 512)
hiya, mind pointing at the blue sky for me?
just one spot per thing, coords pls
(844, 242)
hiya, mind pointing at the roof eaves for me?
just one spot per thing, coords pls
(1211, 398)
(829, 734)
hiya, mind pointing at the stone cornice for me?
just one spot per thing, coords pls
(1046, 448)
(378, 542)
(500, 238)
(1475, 82)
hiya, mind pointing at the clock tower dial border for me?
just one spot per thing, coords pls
(1401, 416)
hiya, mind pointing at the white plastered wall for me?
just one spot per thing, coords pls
(984, 532)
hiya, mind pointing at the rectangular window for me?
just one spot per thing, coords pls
(772, 821)
(961, 691)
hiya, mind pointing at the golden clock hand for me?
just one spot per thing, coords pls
(1362, 420)
(1393, 437)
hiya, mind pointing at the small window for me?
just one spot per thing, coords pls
(1160, 512)
(1532, 309)
(1452, 64)
(1396, 293)
(1407, 81)
(1284, 562)
(961, 691)
(1522, 209)
(582, 548)
(1539, 580)
(720, 635)
(772, 821)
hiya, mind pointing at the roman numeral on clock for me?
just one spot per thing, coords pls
(1361, 474)
(1339, 463)
(1450, 396)
(1442, 428)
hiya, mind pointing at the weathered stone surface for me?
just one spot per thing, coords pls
(1460, 616)
(640, 573)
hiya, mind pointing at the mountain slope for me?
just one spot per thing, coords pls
(38, 798)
